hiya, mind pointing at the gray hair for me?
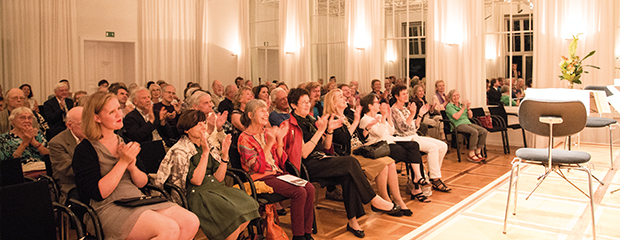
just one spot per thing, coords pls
(59, 85)
(134, 93)
(18, 111)
(195, 98)
(274, 93)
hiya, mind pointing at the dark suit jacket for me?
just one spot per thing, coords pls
(493, 96)
(137, 129)
(61, 155)
(55, 116)
(226, 105)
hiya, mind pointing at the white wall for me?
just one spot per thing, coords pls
(223, 41)
(94, 18)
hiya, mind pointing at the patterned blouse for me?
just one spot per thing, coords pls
(399, 116)
(254, 159)
(9, 142)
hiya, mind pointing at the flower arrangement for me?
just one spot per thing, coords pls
(572, 66)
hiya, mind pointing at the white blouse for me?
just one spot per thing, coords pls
(379, 131)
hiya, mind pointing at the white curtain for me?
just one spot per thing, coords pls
(173, 42)
(363, 55)
(495, 44)
(244, 59)
(295, 48)
(455, 48)
(39, 45)
(555, 21)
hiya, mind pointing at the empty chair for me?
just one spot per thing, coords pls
(551, 119)
(600, 122)
(501, 111)
(499, 125)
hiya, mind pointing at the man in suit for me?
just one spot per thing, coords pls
(494, 95)
(61, 149)
(14, 98)
(55, 110)
(141, 125)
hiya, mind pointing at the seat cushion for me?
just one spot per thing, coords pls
(559, 156)
(595, 122)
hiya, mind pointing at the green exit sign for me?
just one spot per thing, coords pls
(109, 34)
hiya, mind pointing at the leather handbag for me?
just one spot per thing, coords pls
(376, 150)
(486, 122)
(273, 231)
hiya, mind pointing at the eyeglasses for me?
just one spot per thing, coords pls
(168, 92)
(16, 98)
(304, 102)
(24, 118)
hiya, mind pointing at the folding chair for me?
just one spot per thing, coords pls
(551, 119)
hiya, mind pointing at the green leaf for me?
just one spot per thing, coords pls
(592, 66)
(589, 54)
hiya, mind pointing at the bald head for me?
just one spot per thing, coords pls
(74, 121)
(15, 98)
(218, 88)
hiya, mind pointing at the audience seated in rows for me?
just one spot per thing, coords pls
(105, 170)
(345, 139)
(262, 156)
(505, 99)
(377, 127)
(307, 140)
(406, 125)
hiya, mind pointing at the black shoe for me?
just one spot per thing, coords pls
(281, 212)
(406, 212)
(420, 197)
(299, 237)
(395, 211)
(335, 195)
(357, 233)
(308, 236)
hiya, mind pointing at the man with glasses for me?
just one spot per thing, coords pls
(14, 98)
(171, 106)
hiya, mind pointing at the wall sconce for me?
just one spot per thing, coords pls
(360, 48)
(290, 53)
(233, 54)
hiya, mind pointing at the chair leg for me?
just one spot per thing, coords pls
(540, 180)
(611, 147)
(591, 196)
(458, 146)
(524, 140)
(512, 177)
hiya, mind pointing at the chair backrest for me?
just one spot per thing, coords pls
(11, 172)
(151, 154)
(573, 114)
(27, 211)
(599, 88)
(477, 112)
(446, 126)
(500, 111)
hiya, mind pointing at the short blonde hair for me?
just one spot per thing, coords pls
(94, 105)
(330, 101)
(59, 85)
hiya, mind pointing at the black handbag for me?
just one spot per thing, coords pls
(139, 201)
(374, 151)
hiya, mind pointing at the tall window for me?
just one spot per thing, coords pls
(265, 35)
(405, 38)
(328, 40)
(520, 41)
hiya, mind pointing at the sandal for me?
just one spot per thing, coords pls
(474, 159)
(420, 197)
(439, 185)
(479, 155)
(421, 182)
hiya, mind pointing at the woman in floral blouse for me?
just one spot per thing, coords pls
(24, 142)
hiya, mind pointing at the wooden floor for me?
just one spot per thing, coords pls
(464, 178)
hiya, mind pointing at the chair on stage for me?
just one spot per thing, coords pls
(601, 122)
(551, 119)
